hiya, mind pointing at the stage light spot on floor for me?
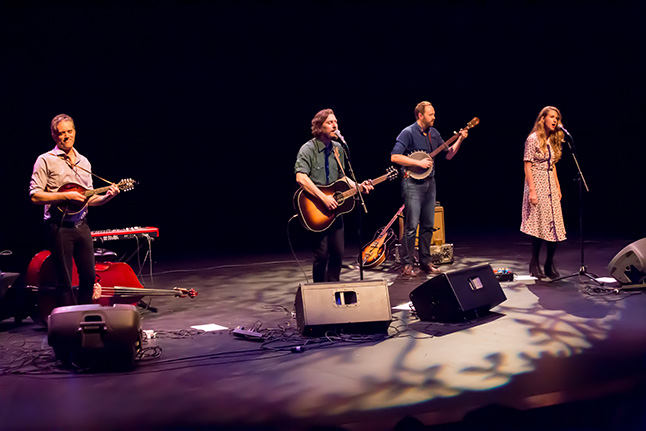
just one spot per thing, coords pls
(209, 327)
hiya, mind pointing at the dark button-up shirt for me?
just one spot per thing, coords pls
(311, 161)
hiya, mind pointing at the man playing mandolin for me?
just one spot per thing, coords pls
(320, 162)
(418, 184)
(67, 234)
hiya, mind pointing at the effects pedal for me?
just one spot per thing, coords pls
(241, 332)
(503, 274)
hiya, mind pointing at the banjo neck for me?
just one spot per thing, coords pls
(419, 173)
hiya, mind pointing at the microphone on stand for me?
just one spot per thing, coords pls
(340, 136)
(568, 138)
(560, 127)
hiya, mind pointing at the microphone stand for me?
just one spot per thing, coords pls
(583, 270)
(346, 150)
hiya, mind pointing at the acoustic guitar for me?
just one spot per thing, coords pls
(375, 252)
(315, 216)
(71, 208)
(421, 173)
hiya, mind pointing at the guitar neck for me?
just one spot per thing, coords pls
(394, 218)
(353, 190)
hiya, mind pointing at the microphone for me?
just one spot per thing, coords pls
(340, 136)
(560, 127)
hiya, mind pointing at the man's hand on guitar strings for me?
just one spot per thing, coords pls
(366, 186)
(330, 202)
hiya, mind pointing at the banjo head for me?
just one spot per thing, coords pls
(419, 173)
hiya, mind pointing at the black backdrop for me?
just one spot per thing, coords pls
(206, 105)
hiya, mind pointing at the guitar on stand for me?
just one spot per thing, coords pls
(375, 252)
(313, 213)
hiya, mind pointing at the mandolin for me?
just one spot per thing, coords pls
(315, 216)
(375, 252)
(71, 208)
(421, 173)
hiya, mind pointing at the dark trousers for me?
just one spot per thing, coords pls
(69, 246)
(328, 253)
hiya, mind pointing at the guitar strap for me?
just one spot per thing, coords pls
(338, 161)
(69, 163)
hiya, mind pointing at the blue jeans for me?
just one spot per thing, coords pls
(419, 197)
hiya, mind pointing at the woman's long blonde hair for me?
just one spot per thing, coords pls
(555, 139)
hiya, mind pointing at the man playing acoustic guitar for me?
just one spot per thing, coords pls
(419, 194)
(317, 164)
(67, 233)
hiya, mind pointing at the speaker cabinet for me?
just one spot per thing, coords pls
(458, 296)
(439, 237)
(629, 265)
(360, 307)
(94, 336)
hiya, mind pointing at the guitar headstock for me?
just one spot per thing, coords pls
(183, 293)
(392, 173)
(126, 184)
(473, 123)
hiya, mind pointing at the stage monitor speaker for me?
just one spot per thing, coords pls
(458, 296)
(94, 336)
(629, 265)
(359, 307)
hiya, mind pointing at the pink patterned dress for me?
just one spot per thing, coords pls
(545, 219)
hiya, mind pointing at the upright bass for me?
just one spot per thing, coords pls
(116, 283)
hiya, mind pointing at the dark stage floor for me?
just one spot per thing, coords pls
(552, 356)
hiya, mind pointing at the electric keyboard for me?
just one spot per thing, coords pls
(125, 233)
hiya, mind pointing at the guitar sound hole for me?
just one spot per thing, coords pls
(339, 198)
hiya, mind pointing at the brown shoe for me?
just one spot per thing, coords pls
(430, 269)
(407, 271)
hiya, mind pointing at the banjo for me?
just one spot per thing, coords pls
(421, 173)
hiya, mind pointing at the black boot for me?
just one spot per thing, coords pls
(535, 269)
(550, 270)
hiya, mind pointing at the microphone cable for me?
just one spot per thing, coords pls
(291, 247)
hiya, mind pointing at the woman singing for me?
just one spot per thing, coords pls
(542, 218)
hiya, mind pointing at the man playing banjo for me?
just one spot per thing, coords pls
(412, 151)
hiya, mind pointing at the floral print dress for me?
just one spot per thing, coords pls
(545, 219)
